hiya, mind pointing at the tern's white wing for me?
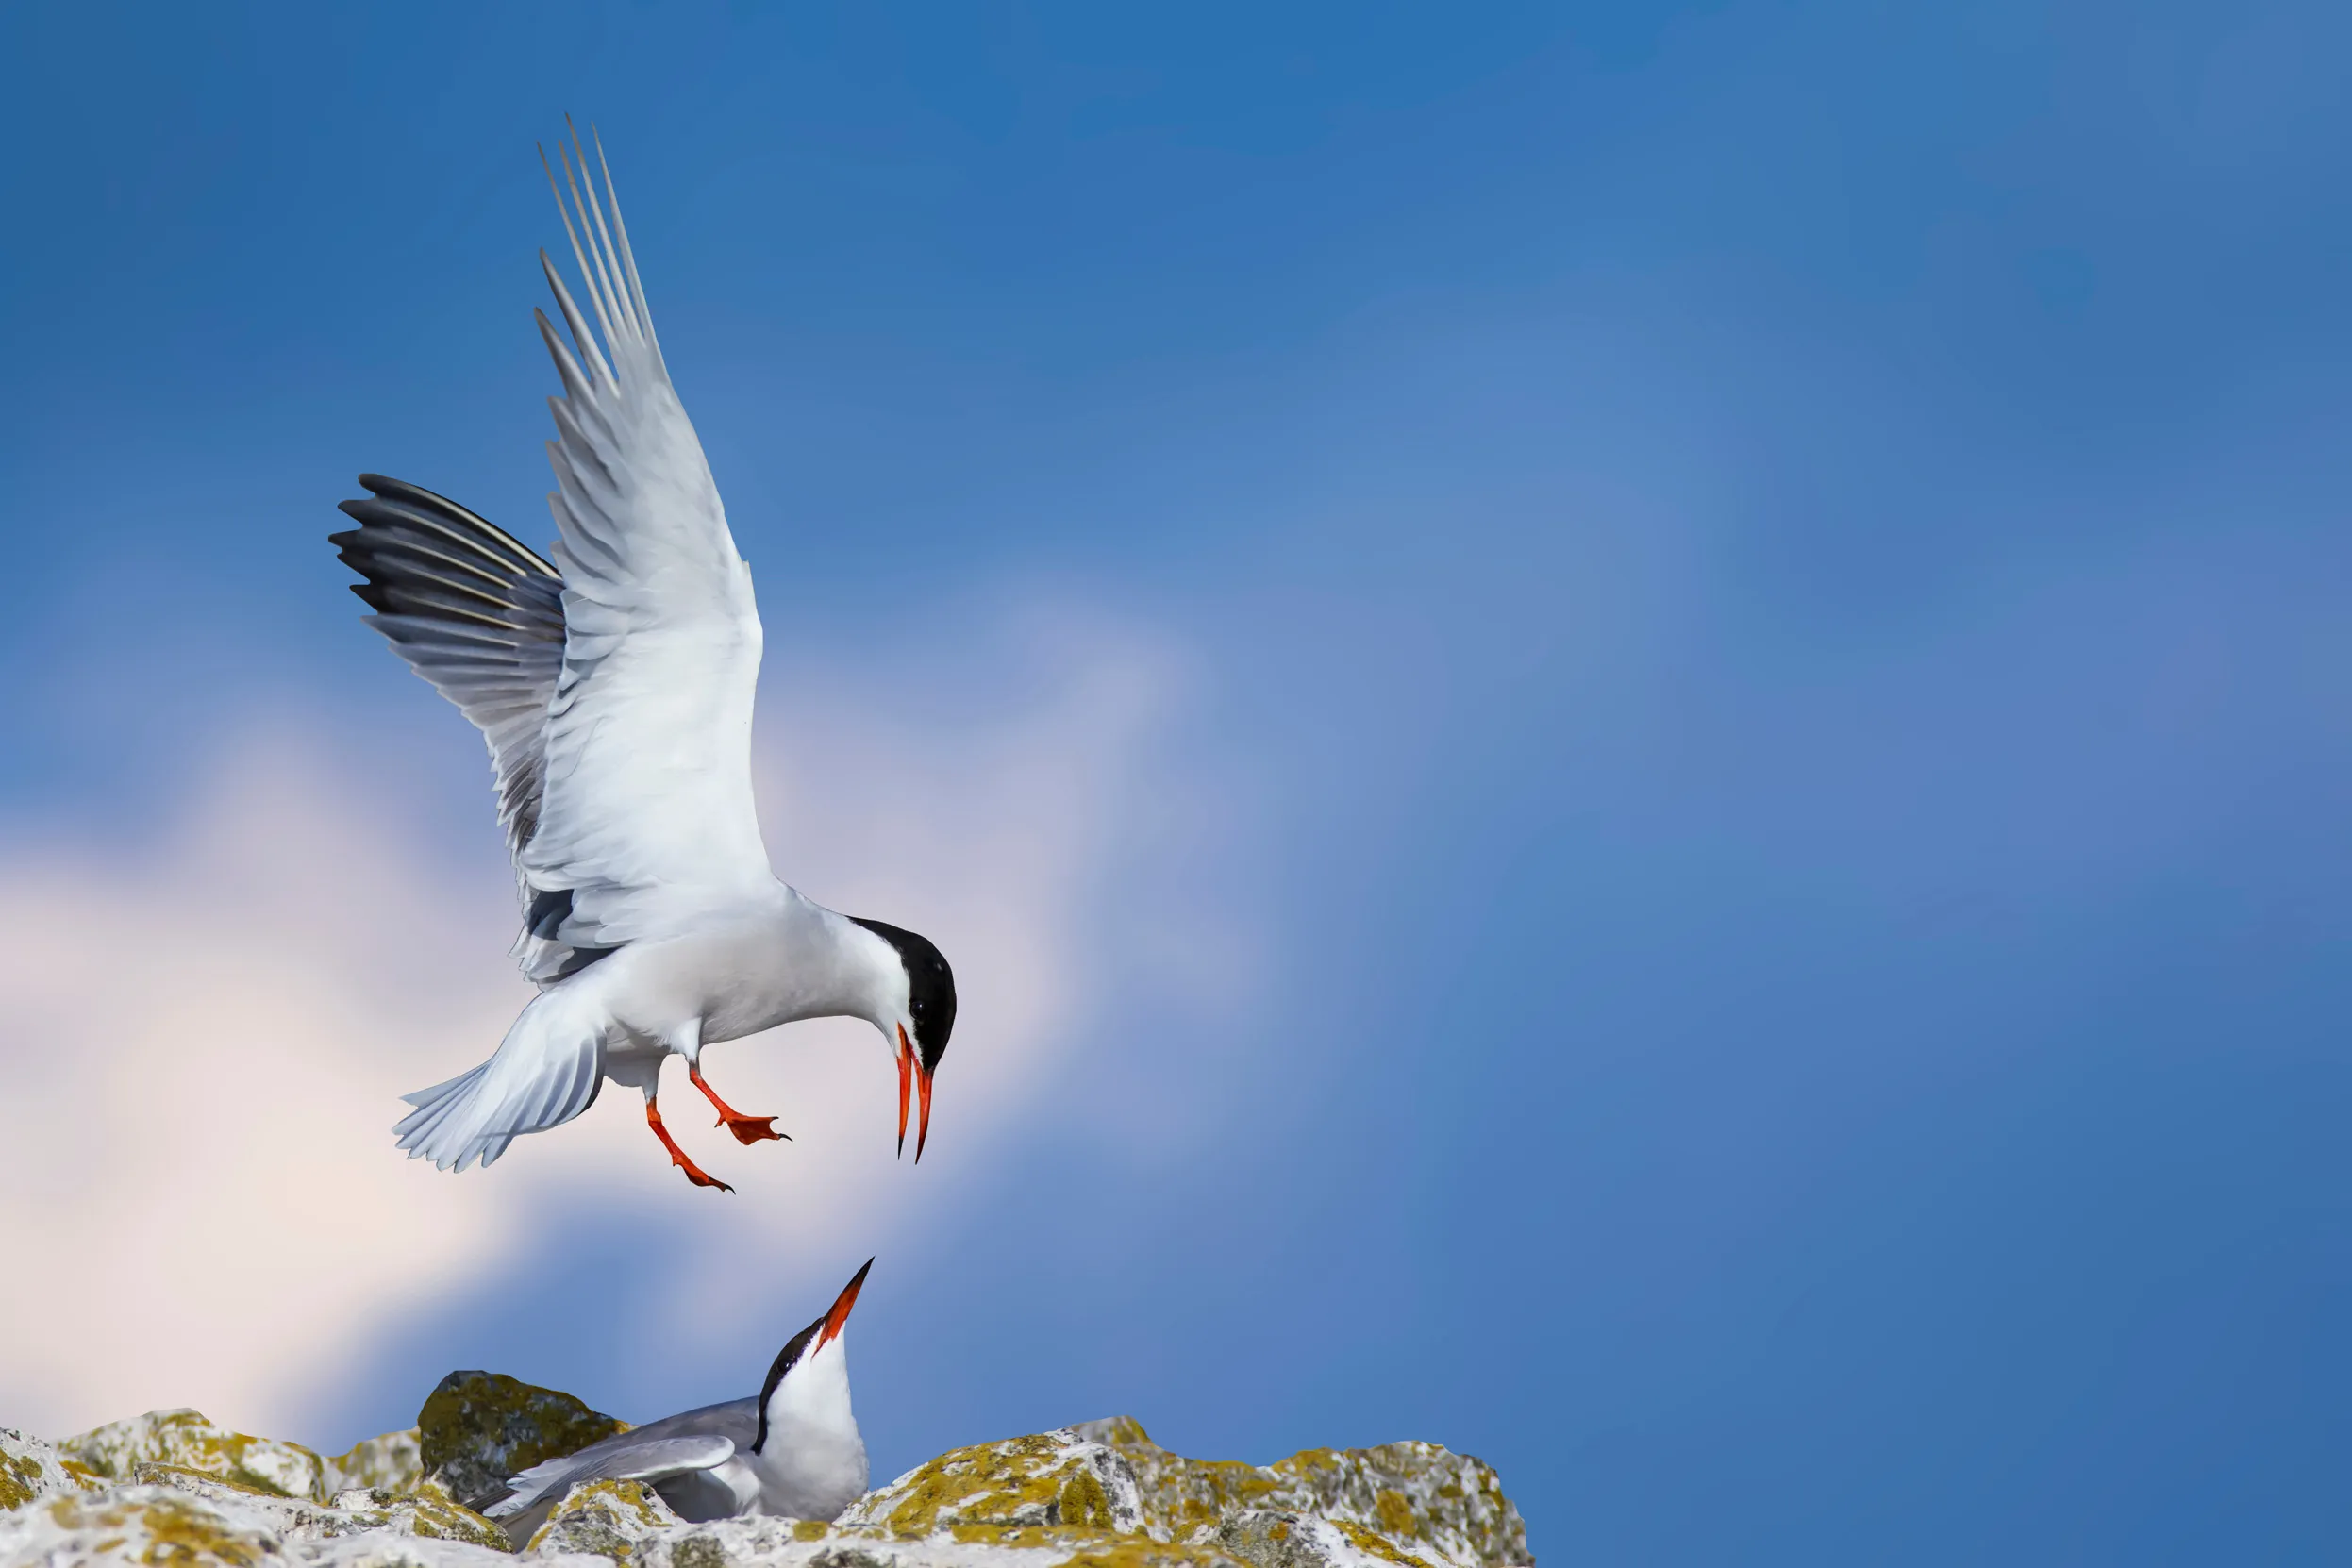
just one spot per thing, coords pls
(615, 1459)
(646, 812)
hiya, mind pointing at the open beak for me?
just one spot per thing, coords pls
(839, 1316)
(906, 1082)
(923, 1129)
(911, 1073)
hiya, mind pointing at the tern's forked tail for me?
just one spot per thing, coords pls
(544, 1073)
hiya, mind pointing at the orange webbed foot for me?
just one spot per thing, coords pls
(747, 1129)
(750, 1130)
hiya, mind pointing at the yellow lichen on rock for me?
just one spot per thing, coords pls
(478, 1428)
(152, 1526)
(427, 1509)
(1083, 1500)
(1143, 1552)
(185, 1439)
(429, 1512)
(1421, 1503)
(1179, 1497)
(609, 1518)
(1395, 1515)
(392, 1463)
(1050, 1481)
(31, 1469)
(1373, 1543)
(170, 1489)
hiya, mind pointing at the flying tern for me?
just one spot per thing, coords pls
(613, 685)
(793, 1449)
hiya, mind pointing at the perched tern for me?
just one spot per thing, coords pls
(793, 1449)
(615, 686)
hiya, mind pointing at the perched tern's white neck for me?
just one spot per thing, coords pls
(809, 1456)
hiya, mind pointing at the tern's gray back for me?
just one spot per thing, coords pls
(737, 1420)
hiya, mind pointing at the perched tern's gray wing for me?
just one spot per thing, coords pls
(476, 613)
(645, 815)
(675, 1446)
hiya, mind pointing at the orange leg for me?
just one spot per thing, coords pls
(694, 1173)
(747, 1129)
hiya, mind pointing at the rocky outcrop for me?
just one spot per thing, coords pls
(171, 1526)
(187, 1441)
(478, 1428)
(1007, 1493)
(393, 1462)
(1411, 1500)
(31, 1470)
(170, 1489)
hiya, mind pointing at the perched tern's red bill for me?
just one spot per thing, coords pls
(839, 1316)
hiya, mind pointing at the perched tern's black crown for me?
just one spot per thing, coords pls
(795, 1347)
(930, 989)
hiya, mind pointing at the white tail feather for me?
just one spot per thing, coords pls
(545, 1072)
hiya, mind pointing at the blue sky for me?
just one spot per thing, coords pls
(1724, 884)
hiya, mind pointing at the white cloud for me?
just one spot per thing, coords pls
(208, 1032)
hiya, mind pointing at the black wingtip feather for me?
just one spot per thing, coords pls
(437, 510)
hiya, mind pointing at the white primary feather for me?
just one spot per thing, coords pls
(646, 812)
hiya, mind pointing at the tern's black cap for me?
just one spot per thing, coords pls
(930, 989)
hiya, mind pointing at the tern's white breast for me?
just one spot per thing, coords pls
(814, 1463)
(749, 968)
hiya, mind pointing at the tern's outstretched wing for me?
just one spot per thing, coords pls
(474, 612)
(675, 1446)
(646, 813)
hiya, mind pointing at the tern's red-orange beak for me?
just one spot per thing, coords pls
(923, 1129)
(839, 1316)
(905, 1083)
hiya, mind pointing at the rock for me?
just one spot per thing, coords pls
(427, 1509)
(31, 1469)
(417, 1551)
(185, 1439)
(173, 1517)
(1052, 1498)
(427, 1512)
(737, 1544)
(288, 1518)
(478, 1428)
(170, 1489)
(774, 1543)
(392, 1463)
(1266, 1537)
(1403, 1503)
(609, 1518)
(1021, 1484)
(127, 1525)
(804, 1544)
